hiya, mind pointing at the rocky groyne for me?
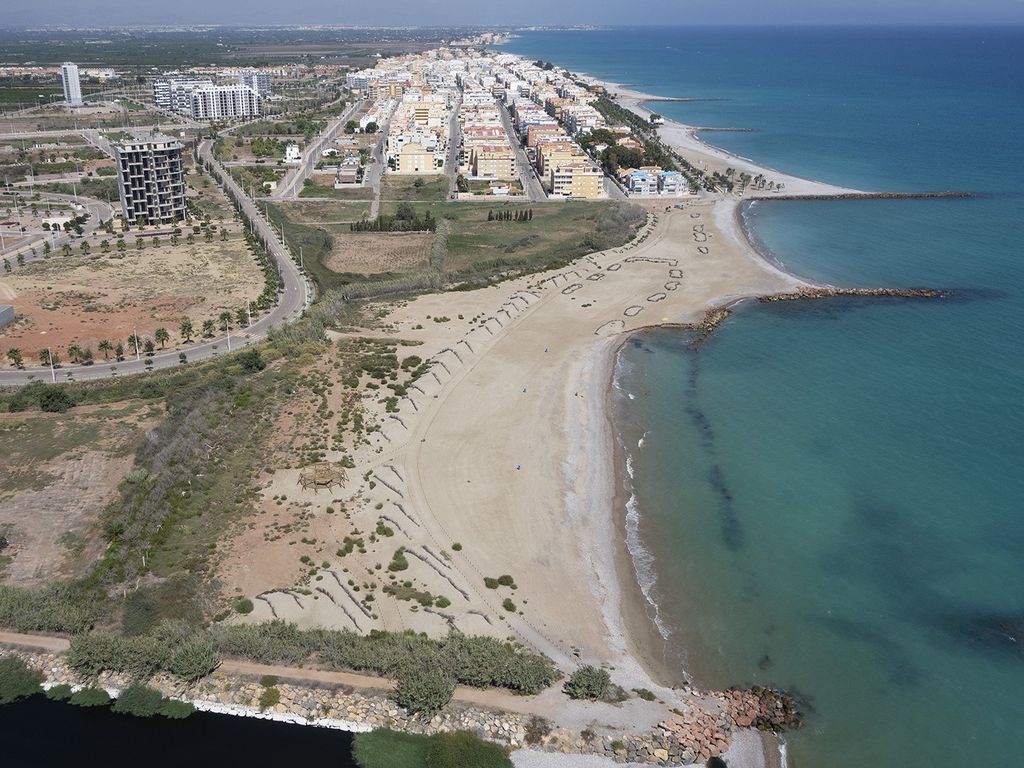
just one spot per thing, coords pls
(828, 292)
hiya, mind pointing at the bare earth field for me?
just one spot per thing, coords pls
(86, 298)
(59, 472)
(368, 253)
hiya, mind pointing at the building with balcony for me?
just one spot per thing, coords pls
(72, 86)
(151, 179)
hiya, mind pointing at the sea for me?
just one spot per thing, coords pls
(828, 496)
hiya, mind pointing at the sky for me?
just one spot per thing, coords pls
(517, 12)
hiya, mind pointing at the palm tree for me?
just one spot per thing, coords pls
(74, 352)
(185, 330)
(14, 355)
(85, 247)
(161, 335)
(119, 351)
(148, 347)
(135, 343)
(87, 356)
(106, 348)
(46, 357)
(241, 317)
(105, 246)
(225, 318)
(208, 328)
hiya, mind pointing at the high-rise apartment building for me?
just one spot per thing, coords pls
(151, 179)
(258, 81)
(223, 102)
(175, 93)
(72, 87)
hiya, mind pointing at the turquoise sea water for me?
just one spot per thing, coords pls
(834, 492)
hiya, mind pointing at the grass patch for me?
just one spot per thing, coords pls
(414, 188)
(385, 748)
(311, 188)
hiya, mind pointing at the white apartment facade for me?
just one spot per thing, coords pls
(71, 83)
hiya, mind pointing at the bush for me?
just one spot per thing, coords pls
(424, 686)
(60, 692)
(17, 681)
(55, 399)
(244, 606)
(508, 605)
(588, 682)
(140, 657)
(399, 562)
(138, 700)
(536, 729)
(176, 710)
(194, 659)
(645, 694)
(90, 697)
(251, 361)
(269, 698)
(462, 749)
(54, 608)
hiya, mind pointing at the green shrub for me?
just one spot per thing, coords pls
(506, 581)
(90, 697)
(537, 728)
(645, 694)
(138, 700)
(60, 692)
(244, 606)
(508, 605)
(193, 659)
(490, 583)
(399, 562)
(424, 686)
(588, 682)
(140, 657)
(54, 608)
(251, 361)
(17, 681)
(55, 399)
(268, 680)
(176, 710)
(462, 749)
(270, 697)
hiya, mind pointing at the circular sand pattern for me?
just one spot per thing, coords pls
(633, 311)
(703, 249)
(676, 273)
(610, 328)
(655, 297)
(596, 276)
(572, 288)
(671, 285)
(614, 267)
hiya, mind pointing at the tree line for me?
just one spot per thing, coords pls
(519, 214)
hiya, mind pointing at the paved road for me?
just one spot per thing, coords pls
(294, 299)
(532, 187)
(451, 159)
(292, 184)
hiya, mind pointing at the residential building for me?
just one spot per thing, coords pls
(7, 315)
(672, 183)
(348, 172)
(150, 179)
(415, 158)
(577, 179)
(72, 87)
(640, 181)
(224, 102)
(292, 155)
(257, 80)
(175, 93)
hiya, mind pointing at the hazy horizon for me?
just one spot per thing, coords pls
(427, 13)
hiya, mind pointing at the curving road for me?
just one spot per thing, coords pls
(294, 299)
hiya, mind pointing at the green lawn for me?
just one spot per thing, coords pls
(385, 748)
(328, 212)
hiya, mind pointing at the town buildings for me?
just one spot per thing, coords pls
(224, 102)
(150, 179)
(72, 86)
(256, 79)
(201, 99)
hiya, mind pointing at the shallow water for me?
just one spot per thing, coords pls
(832, 491)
